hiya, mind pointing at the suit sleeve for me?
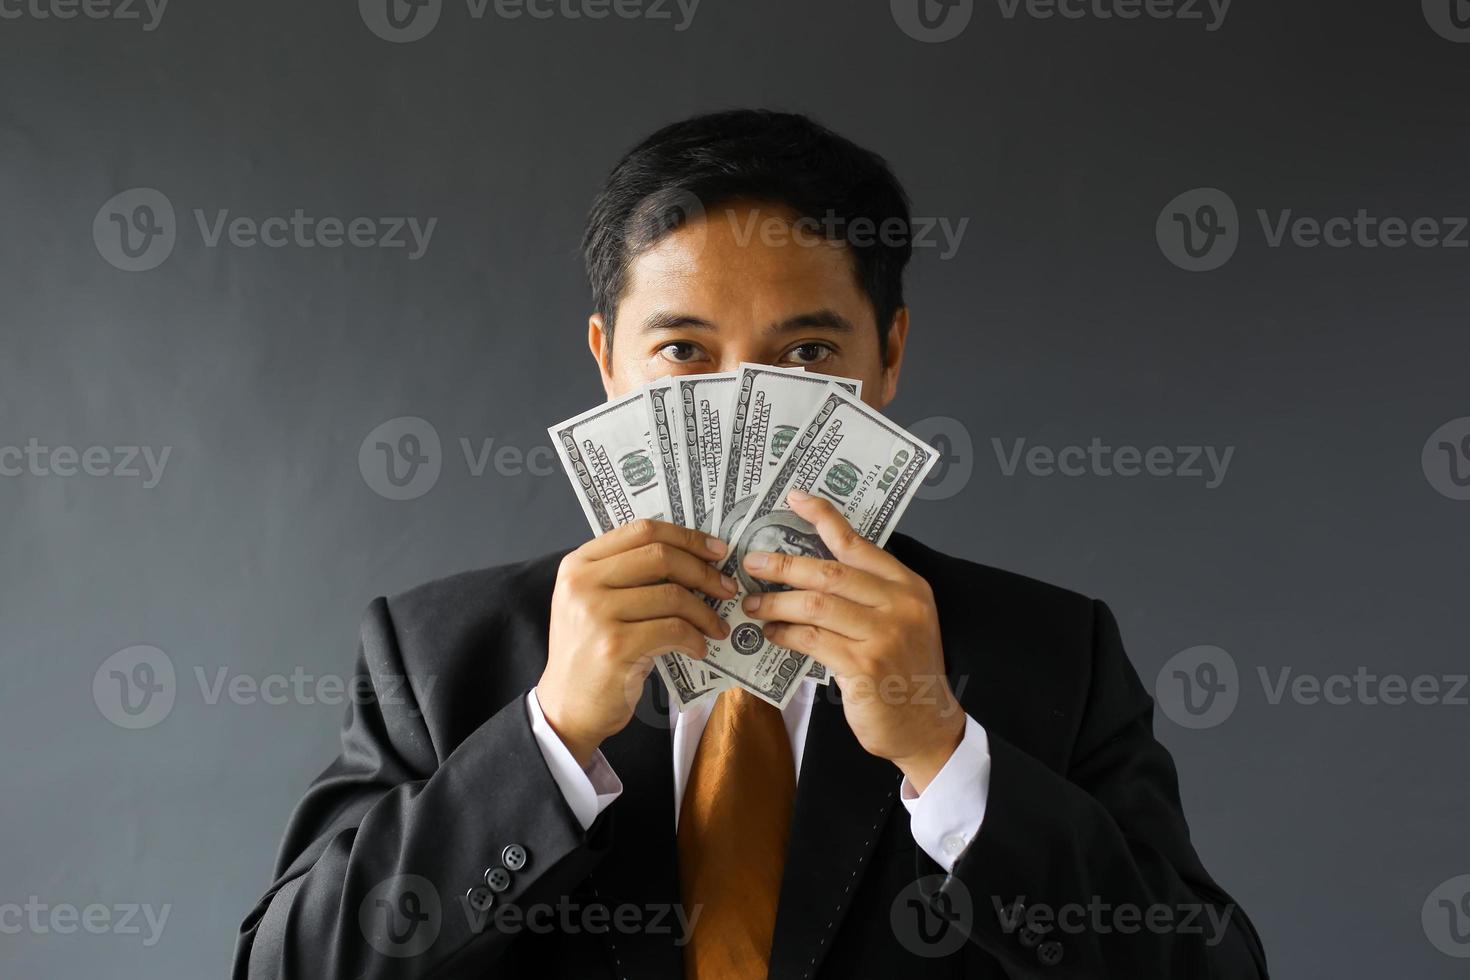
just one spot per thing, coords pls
(382, 869)
(1091, 873)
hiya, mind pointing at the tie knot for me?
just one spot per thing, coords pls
(738, 708)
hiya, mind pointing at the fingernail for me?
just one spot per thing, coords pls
(715, 545)
(752, 603)
(728, 583)
(797, 495)
(757, 560)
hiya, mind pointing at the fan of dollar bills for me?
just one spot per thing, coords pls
(719, 452)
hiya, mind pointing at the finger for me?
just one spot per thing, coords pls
(646, 531)
(818, 575)
(845, 543)
(830, 612)
(655, 636)
(663, 562)
(831, 650)
(650, 602)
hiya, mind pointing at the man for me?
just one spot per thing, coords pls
(978, 794)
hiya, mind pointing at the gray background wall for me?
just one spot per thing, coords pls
(1336, 540)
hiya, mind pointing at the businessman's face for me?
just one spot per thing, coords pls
(744, 284)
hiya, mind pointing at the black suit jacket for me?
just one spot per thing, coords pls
(382, 872)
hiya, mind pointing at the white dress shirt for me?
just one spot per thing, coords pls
(943, 819)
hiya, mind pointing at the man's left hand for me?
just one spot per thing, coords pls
(871, 622)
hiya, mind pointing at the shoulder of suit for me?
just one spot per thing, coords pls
(959, 578)
(498, 591)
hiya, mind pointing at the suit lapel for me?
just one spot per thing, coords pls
(641, 866)
(843, 799)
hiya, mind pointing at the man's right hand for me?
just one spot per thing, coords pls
(620, 600)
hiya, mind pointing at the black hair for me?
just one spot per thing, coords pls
(781, 158)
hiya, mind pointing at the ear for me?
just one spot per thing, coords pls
(599, 342)
(898, 334)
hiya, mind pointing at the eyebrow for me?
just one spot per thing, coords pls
(817, 319)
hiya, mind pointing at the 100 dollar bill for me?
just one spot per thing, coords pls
(617, 465)
(704, 402)
(770, 405)
(869, 469)
(607, 452)
(686, 679)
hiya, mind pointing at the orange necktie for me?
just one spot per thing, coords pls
(733, 825)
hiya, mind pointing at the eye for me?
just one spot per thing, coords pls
(812, 352)
(681, 352)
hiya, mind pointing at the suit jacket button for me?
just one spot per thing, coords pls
(480, 898)
(497, 878)
(1049, 953)
(1028, 937)
(513, 857)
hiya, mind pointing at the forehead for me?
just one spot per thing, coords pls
(748, 255)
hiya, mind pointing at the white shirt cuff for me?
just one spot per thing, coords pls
(947, 815)
(587, 791)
